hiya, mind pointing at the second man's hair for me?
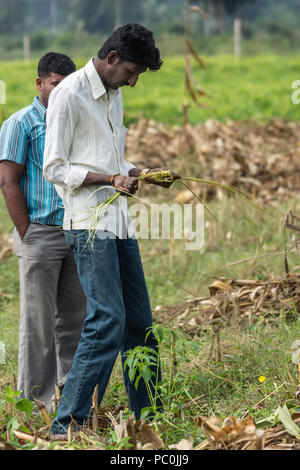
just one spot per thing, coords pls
(55, 62)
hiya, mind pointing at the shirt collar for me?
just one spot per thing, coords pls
(96, 84)
(40, 108)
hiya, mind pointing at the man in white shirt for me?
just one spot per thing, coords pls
(84, 151)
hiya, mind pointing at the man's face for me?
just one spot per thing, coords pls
(122, 74)
(45, 86)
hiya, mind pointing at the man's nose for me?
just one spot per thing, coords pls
(132, 81)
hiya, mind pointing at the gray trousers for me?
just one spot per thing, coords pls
(52, 311)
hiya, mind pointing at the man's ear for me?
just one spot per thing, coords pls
(112, 58)
(38, 82)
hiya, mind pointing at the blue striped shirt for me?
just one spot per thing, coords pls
(22, 140)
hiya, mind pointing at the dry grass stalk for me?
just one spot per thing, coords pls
(191, 85)
(41, 443)
(42, 409)
(194, 53)
(292, 217)
(56, 398)
(73, 430)
(215, 346)
(95, 409)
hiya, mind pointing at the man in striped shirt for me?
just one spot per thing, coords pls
(52, 303)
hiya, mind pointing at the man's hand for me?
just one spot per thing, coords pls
(10, 175)
(164, 184)
(22, 230)
(129, 184)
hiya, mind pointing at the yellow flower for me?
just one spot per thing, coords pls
(262, 378)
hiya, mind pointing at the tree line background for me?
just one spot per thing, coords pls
(29, 27)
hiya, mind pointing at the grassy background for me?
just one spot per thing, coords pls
(201, 386)
(256, 87)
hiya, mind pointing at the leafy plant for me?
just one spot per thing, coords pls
(14, 407)
(144, 363)
(114, 443)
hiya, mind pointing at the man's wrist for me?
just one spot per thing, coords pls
(97, 179)
(112, 179)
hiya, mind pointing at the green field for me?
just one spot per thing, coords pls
(201, 386)
(252, 88)
(256, 87)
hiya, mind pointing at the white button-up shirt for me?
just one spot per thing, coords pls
(85, 133)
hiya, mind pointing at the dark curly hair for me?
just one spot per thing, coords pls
(134, 43)
(54, 62)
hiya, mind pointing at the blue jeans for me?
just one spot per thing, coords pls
(118, 315)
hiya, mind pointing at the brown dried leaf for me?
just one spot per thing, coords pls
(197, 9)
(124, 428)
(194, 53)
(184, 444)
(145, 433)
(192, 93)
(189, 73)
(217, 286)
(6, 246)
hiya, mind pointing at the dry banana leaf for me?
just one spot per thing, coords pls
(197, 9)
(194, 53)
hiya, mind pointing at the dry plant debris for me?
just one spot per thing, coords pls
(245, 435)
(239, 299)
(260, 159)
(6, 245)
(141, 436)
(232, 434)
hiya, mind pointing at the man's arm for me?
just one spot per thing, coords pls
(10, 175)
(129, 184)
(13, 152)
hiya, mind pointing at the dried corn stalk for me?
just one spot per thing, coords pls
(191, 86)
(239, 300)
(260, 159)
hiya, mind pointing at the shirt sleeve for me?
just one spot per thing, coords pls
(129, 166)
(13, 141)
(61, 123)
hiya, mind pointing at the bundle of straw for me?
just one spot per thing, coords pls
(166, 176)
